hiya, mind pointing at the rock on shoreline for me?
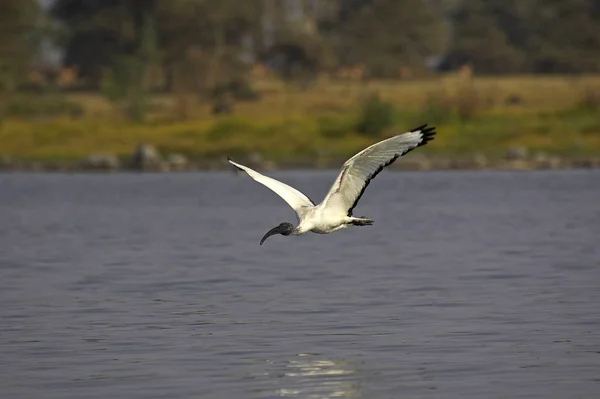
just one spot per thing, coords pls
(175, 163)
(146, 158)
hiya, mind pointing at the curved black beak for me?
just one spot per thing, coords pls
(273, 231)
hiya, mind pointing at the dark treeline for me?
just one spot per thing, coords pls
(201, 44)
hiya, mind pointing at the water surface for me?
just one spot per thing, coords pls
(468, 285)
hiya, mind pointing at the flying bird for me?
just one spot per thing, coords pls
(335, 211)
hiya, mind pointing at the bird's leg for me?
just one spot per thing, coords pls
(361, 221)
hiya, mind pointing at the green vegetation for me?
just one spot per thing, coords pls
(333, 121)
(298, 81)
(376, 116)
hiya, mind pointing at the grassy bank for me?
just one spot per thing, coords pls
(555, 115)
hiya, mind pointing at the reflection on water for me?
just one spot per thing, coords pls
(311, 377)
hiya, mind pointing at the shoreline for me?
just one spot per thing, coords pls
(476, 162)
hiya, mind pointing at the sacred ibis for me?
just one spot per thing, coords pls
(335, 211)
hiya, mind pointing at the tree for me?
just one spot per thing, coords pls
(513, 18)
(477, 40)
(203, 39)
(205, 45)
(126, 82)
(100, 32)
(565, 36)
(292, 41)
(544, 36)
(386, 34)
(20, 27)
(19, 39)
(113, 43)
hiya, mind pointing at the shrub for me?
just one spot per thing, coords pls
(42, 106)
(334, 125)
(237, 89)
(590, 99)
(376, 115)
(436, 110)
(464, 104)
(226, 128)
(467, 102)
(124, 87)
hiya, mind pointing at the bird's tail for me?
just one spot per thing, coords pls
(361, 221)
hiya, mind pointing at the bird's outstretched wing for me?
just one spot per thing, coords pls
(358, 171)
(293, 197)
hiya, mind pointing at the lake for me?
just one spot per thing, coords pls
(469, 285)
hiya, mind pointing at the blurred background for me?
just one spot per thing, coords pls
(471, 284)
(180, 84)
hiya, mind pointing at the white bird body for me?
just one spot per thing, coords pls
(335, 211)
(320, 220)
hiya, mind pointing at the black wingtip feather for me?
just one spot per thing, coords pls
(236, 168)
(428, 133)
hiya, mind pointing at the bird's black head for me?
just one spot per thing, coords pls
(284, 228)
